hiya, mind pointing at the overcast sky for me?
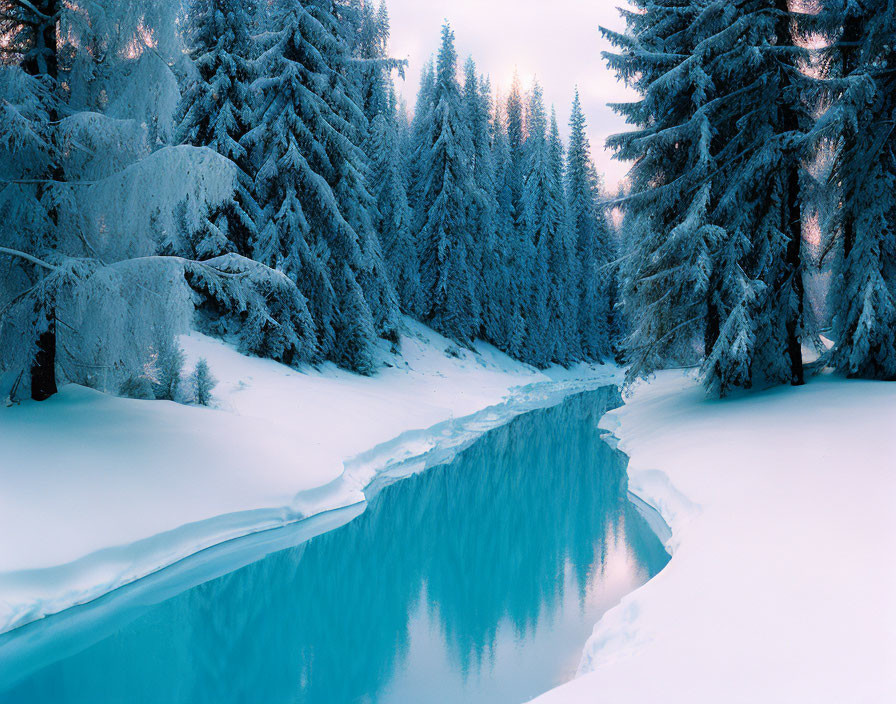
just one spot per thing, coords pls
(556, 40)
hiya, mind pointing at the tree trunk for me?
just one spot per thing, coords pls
(795, 271)
(43, 366)
(792, 278)
(711, 331)
(44, 61)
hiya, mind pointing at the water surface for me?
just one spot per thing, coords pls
(477, 581)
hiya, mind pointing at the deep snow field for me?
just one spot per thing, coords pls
(98, 491)
(780, 503)
(782, 582)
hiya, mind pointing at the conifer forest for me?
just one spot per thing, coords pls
(247, 168)
(447, 351)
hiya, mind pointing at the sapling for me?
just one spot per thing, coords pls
(203, 383)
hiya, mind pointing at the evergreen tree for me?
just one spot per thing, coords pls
(482, 205)
(861, 61)
(216, 112)
(417, 148)
(563, 263)
(310, 184)
(30, 219)
(591, 237)
(668, 259)
(394, 217)
(368, 36)
(503, 321)
(449, 287)
(167, 365)
(82, 225)
(203, 383)
(542, 221)
(516, 136)
(714, 216)
(764, 122)
(520, 249)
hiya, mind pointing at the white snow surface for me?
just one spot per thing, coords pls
(98, 491)
(782, 579)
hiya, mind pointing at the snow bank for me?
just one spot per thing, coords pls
(781, 584)
(98, 491)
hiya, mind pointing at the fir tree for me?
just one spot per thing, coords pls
(668, 258)
(368, 36)
(482, 205)
(591, 237)
(357, 101)
(449, 287)
(716, 176)
(216, 112)
(417, 148)
(764, 122)
(563, 263)
(521, 255)
(542, 221)
(167, 364)
(861, 61)
(394, 224)
(28, 151)
(203, 382)
(503, 321)
(311, 187)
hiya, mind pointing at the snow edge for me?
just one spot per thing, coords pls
(616, 633)
(410, 452)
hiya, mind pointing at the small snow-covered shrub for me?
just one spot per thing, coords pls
(138, 387)
(203, 382)
(167, 366)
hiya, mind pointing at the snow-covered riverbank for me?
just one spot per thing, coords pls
(781, 584)
(97, 491)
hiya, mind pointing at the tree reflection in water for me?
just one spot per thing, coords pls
(454, 584)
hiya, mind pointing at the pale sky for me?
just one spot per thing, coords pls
(556, 41)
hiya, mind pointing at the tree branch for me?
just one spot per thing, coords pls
(28, 257)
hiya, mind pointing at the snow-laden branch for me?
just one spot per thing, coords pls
(28, 257)
(31, 8)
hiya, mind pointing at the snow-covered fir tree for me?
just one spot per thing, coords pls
(543, 221)
(216, 112)
(669, 241)
(30, 218)
(520, 253)
(861, 61)
(202, 382)
(367, 27)
(482, 206)
(714, 219)
(591, 237)
(85, 296)
(416, 149)
(502, 312)
(448, 283)
(395, 222)
(316, 222)
(764, 121)
(563, 262)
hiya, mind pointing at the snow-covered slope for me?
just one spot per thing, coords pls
(782, 580)
(97, 491)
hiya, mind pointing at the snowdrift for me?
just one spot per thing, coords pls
(97, 491)
(781, 582)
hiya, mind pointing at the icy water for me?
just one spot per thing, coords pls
(477, 581)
